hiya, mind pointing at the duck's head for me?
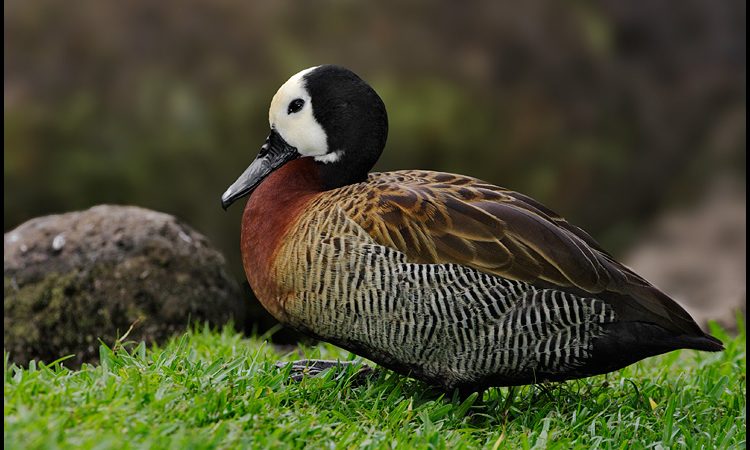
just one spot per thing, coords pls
(325, 113)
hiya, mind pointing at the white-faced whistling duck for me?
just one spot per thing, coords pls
(442, 277)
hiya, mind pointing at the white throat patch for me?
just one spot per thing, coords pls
(299, 129)
(329, 157)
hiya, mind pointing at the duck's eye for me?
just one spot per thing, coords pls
(295, 105)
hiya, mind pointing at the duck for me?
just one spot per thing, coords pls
(438, 276)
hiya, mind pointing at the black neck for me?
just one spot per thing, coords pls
(351, 167)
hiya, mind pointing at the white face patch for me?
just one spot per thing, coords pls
(299, 129)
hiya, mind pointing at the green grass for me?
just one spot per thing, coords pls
(211, 389)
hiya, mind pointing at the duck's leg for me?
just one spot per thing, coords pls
(312, 367)
(510, 396)
(465, 392)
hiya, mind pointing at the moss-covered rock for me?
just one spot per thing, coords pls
(74, 278)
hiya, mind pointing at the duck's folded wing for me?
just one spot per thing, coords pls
(439, 218)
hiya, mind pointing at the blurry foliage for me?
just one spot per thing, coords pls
(605, 111)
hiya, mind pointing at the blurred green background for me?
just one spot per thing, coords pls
(608, 112)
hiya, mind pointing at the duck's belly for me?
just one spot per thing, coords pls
(447, 324)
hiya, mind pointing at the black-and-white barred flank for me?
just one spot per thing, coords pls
(445, 322)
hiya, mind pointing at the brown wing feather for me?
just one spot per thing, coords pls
(436, 217)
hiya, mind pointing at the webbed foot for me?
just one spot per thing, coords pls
(313, 367)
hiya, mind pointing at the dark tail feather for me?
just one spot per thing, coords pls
(627, 342)
(706, 343)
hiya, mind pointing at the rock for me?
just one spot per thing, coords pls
(74, 278)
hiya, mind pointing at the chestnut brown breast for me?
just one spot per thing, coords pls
(269, 215)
